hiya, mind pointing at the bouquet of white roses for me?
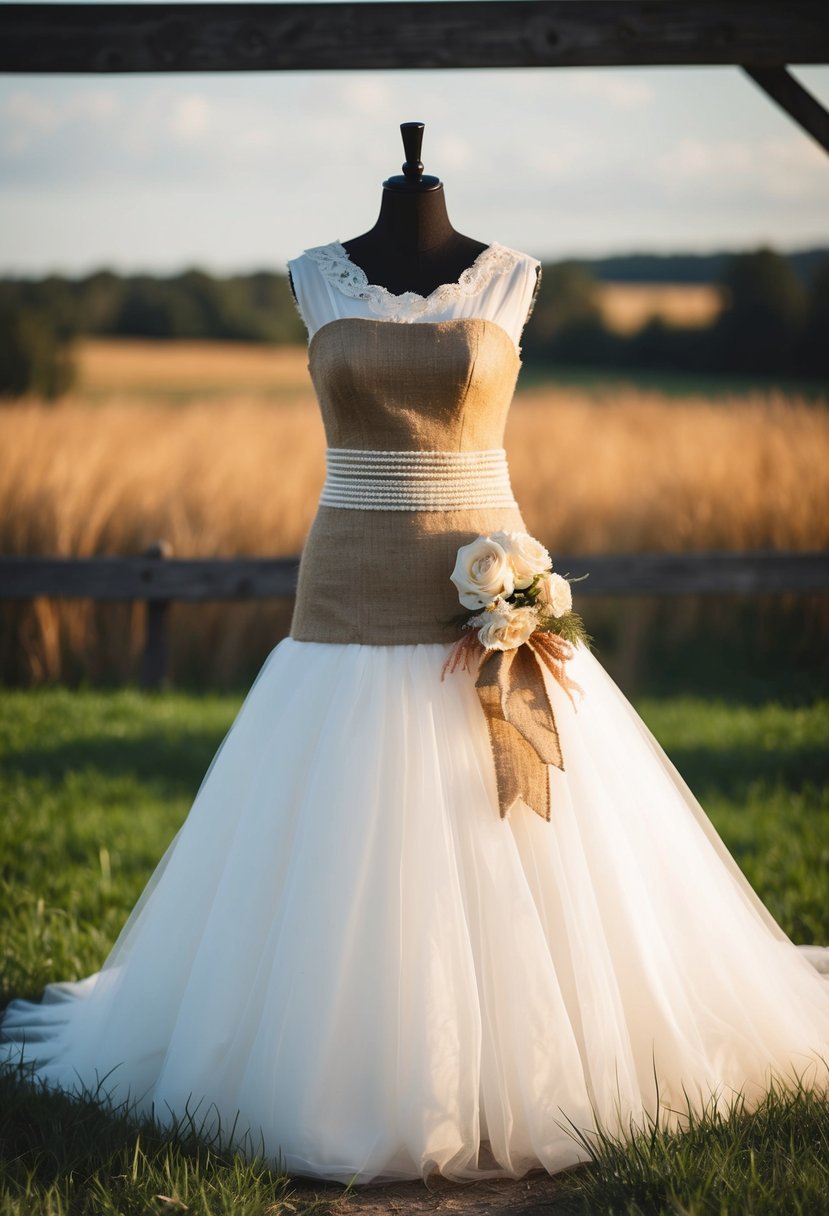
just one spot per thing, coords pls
(510, 576)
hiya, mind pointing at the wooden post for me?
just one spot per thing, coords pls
(790, 95)
(154, 667)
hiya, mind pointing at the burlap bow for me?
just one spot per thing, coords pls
(519, 714)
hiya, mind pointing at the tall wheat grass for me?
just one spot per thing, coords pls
(614, 469)
(626, 470)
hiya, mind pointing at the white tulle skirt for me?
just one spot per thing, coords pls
(347, 955)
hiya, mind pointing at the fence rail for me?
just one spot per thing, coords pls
(156, 575)
(158, 578)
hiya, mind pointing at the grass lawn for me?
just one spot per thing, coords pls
(93, 786)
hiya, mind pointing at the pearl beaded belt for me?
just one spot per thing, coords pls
(416, 481)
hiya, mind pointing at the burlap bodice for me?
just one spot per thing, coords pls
(446, 385)
(382, 577)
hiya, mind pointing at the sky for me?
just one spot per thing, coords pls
(236, 172)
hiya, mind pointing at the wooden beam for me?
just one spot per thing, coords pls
(697, 573)
(239, 578)
(452, 34)
(798, 102)
(147, 578)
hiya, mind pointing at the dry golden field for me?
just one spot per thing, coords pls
(219, 450)
(625, 307)
(136, 369)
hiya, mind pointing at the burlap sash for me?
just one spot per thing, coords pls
(522, 728)
(518, 711)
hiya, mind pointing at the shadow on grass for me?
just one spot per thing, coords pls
(171, 763)
(730, 772)
(172, 770)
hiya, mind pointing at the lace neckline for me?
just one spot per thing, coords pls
(335, 264)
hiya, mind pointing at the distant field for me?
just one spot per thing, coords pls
(626, 307)
(131, 368)
(219, 449)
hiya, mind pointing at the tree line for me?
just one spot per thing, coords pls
(774, 320)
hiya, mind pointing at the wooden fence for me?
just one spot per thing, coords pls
(159, 578)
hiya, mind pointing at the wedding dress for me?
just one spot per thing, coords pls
(347, 951)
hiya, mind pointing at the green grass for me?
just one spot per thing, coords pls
(93, 786)
(762, 774)
(773, 1161)
(66, 1157)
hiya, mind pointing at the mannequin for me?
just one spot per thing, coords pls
(412, 246)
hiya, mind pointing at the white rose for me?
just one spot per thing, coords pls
(505, 627)
(528, 556)
(554, 595)
(482, 573)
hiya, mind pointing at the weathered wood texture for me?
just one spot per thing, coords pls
(454, 34)
(154, 663)
(147, 578)
(791, 96)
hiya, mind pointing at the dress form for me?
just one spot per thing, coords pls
(413, 246)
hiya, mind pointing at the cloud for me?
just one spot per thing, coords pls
(364, 95)
(625, 92)
(26, 117)
(190, 117)
(692, 159)
(548, 160)
(453, 153)
(780, 167)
